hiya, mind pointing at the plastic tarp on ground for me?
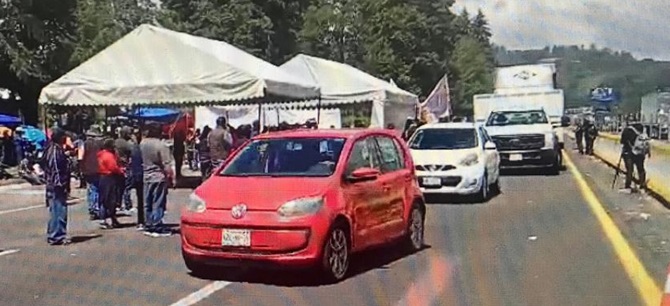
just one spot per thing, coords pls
(271, 116)
(344, 84)
(152, 65)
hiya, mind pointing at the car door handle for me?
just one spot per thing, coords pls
(386, 187)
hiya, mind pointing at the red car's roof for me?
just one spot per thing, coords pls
(334, 133)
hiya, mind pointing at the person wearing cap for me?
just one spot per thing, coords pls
(57, 175)
(89, 169)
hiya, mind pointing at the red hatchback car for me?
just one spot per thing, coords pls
(305, 198)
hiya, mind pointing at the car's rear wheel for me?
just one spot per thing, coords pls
(415, 229)
(336, 257)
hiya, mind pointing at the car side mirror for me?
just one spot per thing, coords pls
(364, 174)
(490, 145)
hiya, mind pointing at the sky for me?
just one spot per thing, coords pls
(640, 27)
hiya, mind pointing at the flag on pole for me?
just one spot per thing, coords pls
(438, 103)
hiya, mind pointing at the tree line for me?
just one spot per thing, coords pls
(413, 42)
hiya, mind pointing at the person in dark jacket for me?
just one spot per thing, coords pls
(579, 136)
(123, 146)
(57, 175)
(89, 168)
(590, 135)
(632, 159)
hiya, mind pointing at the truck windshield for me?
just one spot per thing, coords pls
(517, 118)
(444, 139)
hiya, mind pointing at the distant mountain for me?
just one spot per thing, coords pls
(580, 69)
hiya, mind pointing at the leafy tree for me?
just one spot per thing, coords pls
(474, 73)
(239, 22)
(102, 22)
(35, 46)
(332, 30)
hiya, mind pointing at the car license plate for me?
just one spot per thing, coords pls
(236, 238)
(515, 157)
(432, 181)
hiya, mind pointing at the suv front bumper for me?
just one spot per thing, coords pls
(528, 159)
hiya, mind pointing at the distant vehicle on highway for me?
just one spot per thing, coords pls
(525, 139)
(456, 158)
(305, 198)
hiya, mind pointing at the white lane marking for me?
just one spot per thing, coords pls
(7, 252)
(4, 212)
(202, 294)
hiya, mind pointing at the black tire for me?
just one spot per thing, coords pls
(495, 187)
(555, 169)
(414, 240)
(336, 255)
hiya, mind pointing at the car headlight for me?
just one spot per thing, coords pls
(549, 140)
(470, 160)
(196, 204)
(301, 207)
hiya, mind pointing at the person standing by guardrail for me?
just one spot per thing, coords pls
(590, 135)
(579, 136)
(635, 148)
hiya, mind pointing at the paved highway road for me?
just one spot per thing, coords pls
(546, 240)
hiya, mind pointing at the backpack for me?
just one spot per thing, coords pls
(641, 144)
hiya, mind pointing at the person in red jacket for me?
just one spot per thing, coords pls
(110, 172)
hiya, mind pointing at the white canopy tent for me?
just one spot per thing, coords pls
(152, 65)
(344, 84)
(271, 116)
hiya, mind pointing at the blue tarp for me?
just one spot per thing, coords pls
(8, 120)
(155, 114)
(34, 136)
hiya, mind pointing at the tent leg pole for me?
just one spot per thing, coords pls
(44, 119)
(318, 112)
(260, 115)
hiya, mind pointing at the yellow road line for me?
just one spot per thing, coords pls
(648, 290)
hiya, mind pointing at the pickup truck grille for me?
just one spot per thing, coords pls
(519, 142)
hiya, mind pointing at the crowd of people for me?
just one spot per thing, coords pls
(113, 166)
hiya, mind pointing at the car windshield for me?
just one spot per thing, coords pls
(517, 118)
(294, 157)
(444, 139)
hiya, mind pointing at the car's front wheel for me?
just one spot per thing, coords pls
(336, 257)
